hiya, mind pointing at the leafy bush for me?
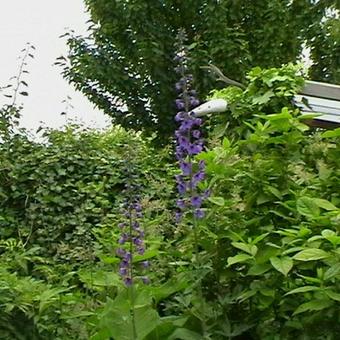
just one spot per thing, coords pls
(59, 211)
(272, 228)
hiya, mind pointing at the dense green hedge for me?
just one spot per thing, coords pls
(59, 209)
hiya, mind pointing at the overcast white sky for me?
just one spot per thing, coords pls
(41, 22)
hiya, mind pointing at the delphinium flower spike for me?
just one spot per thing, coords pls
(131, 240)
(189, 139)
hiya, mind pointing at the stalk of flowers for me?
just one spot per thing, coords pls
(131, 240)
(189, 143)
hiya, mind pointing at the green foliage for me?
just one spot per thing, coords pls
(274, 218)
(269, 245)
(59, 214)
(125, 66)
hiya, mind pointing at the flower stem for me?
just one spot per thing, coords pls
(131, 288)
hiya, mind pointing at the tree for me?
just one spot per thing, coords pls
(125, 66)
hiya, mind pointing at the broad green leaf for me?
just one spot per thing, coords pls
(324, 204)
(248, 248)
(311, 255)
(282, 264)
(99, 278)
(184, 334)
(333, 295)
(116, 318)
(238, 258)
(217, 200)
(147, 255)
(167, 326)
(331, 236)
(258, 269)
(176, 284)
(303, 289)
(259, 238)
(267, 291)
(331, 133)
(278, 116)
(307, 206)
(313, 305)
(331, 272)
(274, 191)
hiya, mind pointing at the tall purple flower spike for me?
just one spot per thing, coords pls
(188, 142)
(131, 239)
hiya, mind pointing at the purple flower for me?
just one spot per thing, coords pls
(186, 168)
(137, 241)
(181, 204)
(199, 213)
(194, 102)
(194, 149)
(123, 239)
(196, 133)
(140, 251)
(189, 144)
(180, 116)
(120, 252)
(178, 86)
(145, 264)
(196, 201)
(123, 271)
(145, 280)
(198, 177)
(181, 187)
(180, 104)
(132, 236)
(128, 281)
(178, 216)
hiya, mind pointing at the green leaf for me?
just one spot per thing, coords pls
(259, 238)
(324, 204)
(312, 254)
(307, 206)
(238, 258)
(258, 269)
(326, 233)
(275, 192)
(246, 295)
(333, 295)
(263, 98)
(184, 334)
(217, 200)
(99, 278)
(116, 318)
(313, 305)
(303, 289)
(248, 248)
(331, 272)
(331, 133)
(176, 284)
(147, 255)
(282, 264)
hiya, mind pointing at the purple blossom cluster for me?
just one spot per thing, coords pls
(131, 239)
(189, 144)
